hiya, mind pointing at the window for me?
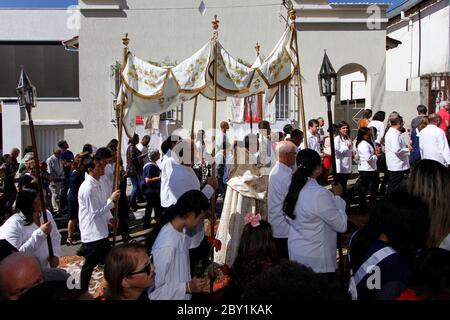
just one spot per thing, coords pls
(167, 115)
(52, 69)
(282, 102)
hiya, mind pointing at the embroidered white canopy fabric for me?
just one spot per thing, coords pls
(148, 89)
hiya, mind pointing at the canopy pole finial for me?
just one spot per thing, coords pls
(292, 14)
(125, 40)
(215, 26)
(257, 48)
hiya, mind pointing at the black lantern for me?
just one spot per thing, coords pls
(327, 78)
(26, 91)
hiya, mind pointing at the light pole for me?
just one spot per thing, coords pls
(26, 93)
(327, 85)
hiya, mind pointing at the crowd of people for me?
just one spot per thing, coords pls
(278, 226)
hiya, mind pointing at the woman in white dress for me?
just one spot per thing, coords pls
(344, 154)
(317, 216)
(246, 192)
(27, 231)
(169, 243)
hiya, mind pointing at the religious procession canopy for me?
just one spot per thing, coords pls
(148, 89)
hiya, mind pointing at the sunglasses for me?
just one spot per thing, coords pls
(147, 268)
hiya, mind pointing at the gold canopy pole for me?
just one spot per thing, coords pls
(215, 26)
(193, 119)
(301, 107)
(259, 101)
(119, 112)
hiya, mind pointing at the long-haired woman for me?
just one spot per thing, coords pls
(169, 243)
(26, 231)
(129, 272)
(429, 181)
(367, 167)
(317, 214)
(365, 119)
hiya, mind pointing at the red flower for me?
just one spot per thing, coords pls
(218, 245)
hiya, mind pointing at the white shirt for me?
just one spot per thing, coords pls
(313, 142)
(397, 153)
(434, 145)
(107, 179)
(343, 149)
(31, 238)
(94, 210)
(172, 265)
(167, 164)
(380, 129)
(367, 160)
(312, 236)
(144, 150)
(445, 244)
(279, 181)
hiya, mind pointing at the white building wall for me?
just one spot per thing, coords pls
(434, 47)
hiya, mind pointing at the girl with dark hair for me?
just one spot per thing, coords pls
(429, 181)
(397, 229)
(367, 167)
(344, 154)
(327, 157)
(317, 214)
(129, 272)
(169, 243)
(256, 253)
(26, 231)
(75, 181)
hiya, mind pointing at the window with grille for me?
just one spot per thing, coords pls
(282, 102)
(167, 115)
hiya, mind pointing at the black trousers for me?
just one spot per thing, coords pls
(368, 180)
(153, 203)
(396, 180)
(282, 248)
(63, 194)
(342, 179)
(94, 253)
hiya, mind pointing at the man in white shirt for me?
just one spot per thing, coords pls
(433, 142)
(397, 153)
(167, 164)
(321, 132)
(311, 136)
(297, 138)
(143, 148)
(55, 168)
(279, 181)
(94, 217)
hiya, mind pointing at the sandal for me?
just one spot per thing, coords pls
(70, 242)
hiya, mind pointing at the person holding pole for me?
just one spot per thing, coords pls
(94, 215)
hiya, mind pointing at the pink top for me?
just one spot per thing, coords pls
(445, 116)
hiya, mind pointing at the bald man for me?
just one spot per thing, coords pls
(279, 182)
(19, 272)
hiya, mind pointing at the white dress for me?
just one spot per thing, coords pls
(172, 265)
(319, 215)
(30, 238)
(246, 187)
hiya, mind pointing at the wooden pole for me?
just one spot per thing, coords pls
(259, 100)
(119, 112)
(301, 108)
(39, 178)
(193, 119)
(215, 26)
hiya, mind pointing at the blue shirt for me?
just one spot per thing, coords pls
(150, 171)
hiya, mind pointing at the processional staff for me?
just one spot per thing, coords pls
(26, 92)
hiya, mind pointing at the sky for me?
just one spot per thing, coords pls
(66, 3)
